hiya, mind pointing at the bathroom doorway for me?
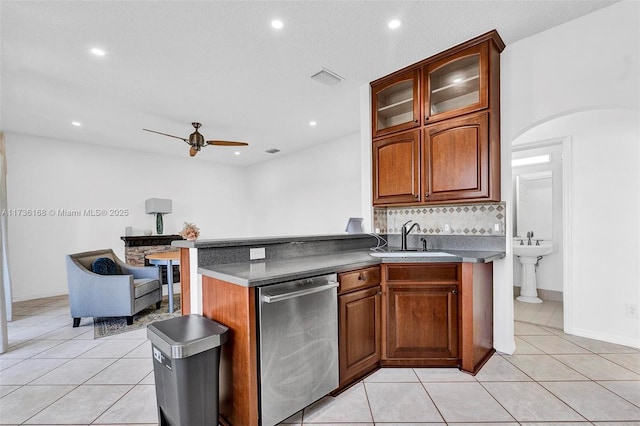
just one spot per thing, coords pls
(538, 211)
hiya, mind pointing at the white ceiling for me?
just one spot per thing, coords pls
(221, 63)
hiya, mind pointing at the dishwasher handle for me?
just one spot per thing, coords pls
(285, 296)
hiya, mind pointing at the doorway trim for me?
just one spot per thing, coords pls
(567, 268)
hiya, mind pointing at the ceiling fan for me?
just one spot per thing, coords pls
(196, 140)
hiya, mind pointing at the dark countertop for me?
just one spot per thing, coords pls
(258, 241)
(260, 273)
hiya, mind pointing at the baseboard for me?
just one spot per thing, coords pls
(618, 340)
(550, 295)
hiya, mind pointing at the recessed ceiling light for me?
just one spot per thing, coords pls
(98, 52)
(277, 24)
(272, 150)
(457, 80)
(312, 123)
(394, 23)
(76, 123)
(237, 153)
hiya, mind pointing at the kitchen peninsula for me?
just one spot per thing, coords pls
(420, 311)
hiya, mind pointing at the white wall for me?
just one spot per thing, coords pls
(605, 212)
(590, 63)
(52, 174)
(313, 191)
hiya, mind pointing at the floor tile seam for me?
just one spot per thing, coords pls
(59, 342)
(618, 364)
(421, 384)
(598, 355)
(592, 381)
(551, 393)
(499, 403)
(47, 372)
(562, 336)
(615, 393)
(552, 353)
(144, 342)
(537, 325)
(366, 395)
(114, 403)
(13, 365)
(67, 360)
(85, 383)
(41, 335)
(521, 370)
(53, 402)
(12, 391)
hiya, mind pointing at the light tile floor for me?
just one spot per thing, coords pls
(55, 374)
(548, 313)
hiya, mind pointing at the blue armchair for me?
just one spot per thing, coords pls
(126, 293)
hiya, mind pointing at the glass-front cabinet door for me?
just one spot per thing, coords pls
(396, 103)
(457, 84)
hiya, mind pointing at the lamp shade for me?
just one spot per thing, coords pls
(157, 205)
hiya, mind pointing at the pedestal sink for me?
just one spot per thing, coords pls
(528, 256)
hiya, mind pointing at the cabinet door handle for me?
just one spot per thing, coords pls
(426, 118)
(426, 194)
(454, 291)
(415, 121)
(379, 293)
(361, 278)
(416, 196)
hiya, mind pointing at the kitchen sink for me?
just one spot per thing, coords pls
(411, 254)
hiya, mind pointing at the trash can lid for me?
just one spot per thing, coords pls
(186, 335)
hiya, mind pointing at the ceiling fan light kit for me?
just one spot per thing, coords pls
(196, 140)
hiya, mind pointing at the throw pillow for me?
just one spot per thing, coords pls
(104, 266)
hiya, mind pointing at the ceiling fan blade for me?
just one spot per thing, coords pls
(193, 151)
(165, 134)
(227, 143)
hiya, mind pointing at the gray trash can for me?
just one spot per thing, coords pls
(186, 360)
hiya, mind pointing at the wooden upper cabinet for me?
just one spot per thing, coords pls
(457, 84)
(456, 159)
(459, 126)
(396, 103)
(396, 169)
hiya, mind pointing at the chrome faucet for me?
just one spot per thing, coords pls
(529, 236)
(405, 232)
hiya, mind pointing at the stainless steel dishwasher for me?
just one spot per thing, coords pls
(298, 338)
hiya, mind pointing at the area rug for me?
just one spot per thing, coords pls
(108, 326)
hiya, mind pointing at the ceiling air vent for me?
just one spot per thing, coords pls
(326, 77)
(272, 151)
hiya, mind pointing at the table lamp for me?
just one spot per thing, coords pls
(158, 206)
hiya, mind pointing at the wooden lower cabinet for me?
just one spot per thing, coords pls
(359, 334)
(359, 324)
(422, 322)
(437, 314)
(415, 314)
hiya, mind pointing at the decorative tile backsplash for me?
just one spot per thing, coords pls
(462, 219)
